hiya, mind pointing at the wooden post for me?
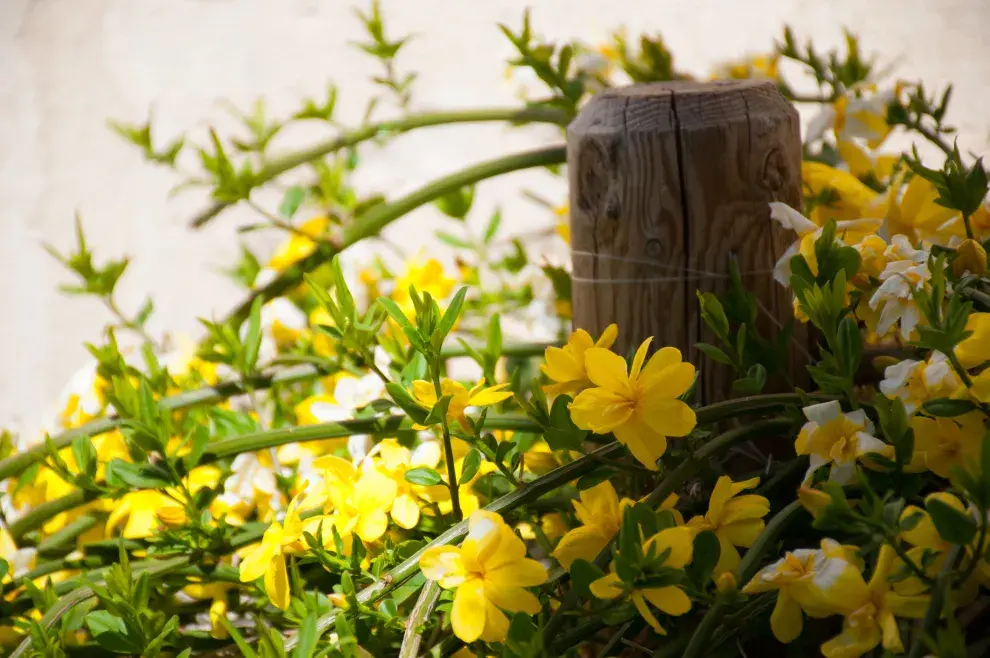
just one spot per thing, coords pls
(669, 181)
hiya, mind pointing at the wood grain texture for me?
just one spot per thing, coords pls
(668, 182)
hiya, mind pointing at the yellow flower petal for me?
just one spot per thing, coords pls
(371, 526)
(787, 621)
(670, 600)
(669, 417)
(467, 616)
(582, 543)
(444, 565)
(671, 382)
(513, 599)
(520, 573)
(405, 511)
(599, 410)
(646, 445)
(277, 583)
(607, 587)
(607, 370)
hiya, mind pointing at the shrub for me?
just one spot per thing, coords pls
(314, 477)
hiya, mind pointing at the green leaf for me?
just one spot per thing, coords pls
(139, 476)
(714, 353)
(583, 573)
(493, 225)
(471, 464)
(850, 344)
(306, 637)
(453, 240)
(953, 526)
(110, 632)
(423, 476)
(438, 412)
(948, 408)
(252, 341)
(450, 315)
(458, 203)
(562, 433)
(242, 645)
(706, 554)
(406, 402)
(291, 201)
(395, 312)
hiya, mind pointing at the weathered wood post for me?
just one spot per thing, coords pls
(669, 181)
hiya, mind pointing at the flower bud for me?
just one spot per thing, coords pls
(813, 500)
(970, 257)
(172, 516)
(726, 583)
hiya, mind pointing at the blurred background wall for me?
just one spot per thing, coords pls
(68, 65)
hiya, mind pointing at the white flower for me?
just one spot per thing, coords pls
(833, 437)
(917, 381)
(250, 480)
(358, 392)
(895, 295)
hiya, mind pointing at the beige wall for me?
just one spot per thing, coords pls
(67, 65)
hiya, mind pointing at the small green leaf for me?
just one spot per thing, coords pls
(458, 203)
(306, 637)
(948, 408)
(562, 433)
(714, 353)
(452, 240)
(706, 555)
(252, 341)
(450, 315)
(423, 476)
(438, 412)
(583, 573)
(406, 402)
(471, 464)
(493, 225)
(291, 201)
(953, 526)
(395, 312)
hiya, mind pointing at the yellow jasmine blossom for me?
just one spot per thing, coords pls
(872, 251)
(915, 214)
(565, 365)
(814, 501)
(563, 226)
(488, 572)
(426, 276)
(138, 512)
(639, 406)
(268, 558)
(736, 520)
(461, 397)
(762, 66)
(808, 580)
(849, 197)
(940, 444)
(971, 258)
(600, 512)
(833, 437)
(553, 525)
(670, 600)
(301, 243)
(218, 608)
(863, 164)
(926, 541)
(396, 460)
(19, 560)
(361, 499)
(871, 610)
(916, 382)
(974, 350)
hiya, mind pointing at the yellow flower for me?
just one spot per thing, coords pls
(805, 579)
(871, 611)
(396, 460)
(762, 66)
(862, 116)
(863, 164)
(268, 558)
(970, 257)
(639, 406)
(553, 525)
(461, 397)
(218, 608)
(814, 501)
(19, 560)
(736, 520)
(426, 276)
(916, 214)
(361, 499)
(849, 198)
(323, 344)
(836, 438)
(873, 260)
(670, 600)
(489, 572)
(301, 243)
(600, 512)
(138, 512)
(916, 382)
(565, 365)
(563, 226)
(940, 444)
(974, 350)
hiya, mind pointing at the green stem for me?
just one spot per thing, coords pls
(940, 590)
(376, 219)
(958, 367)
(278, 166)
(701, 639)
(418, 617)
(685, 470)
